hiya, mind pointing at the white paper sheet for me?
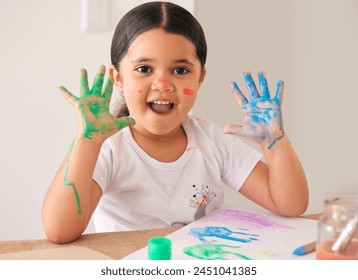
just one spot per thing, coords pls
(231, 233)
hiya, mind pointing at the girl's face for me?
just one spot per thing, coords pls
(159, 76)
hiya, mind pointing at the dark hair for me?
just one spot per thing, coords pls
(168, 16)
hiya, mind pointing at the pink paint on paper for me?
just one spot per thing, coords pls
(247, 219)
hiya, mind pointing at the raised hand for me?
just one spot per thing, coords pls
(93, 116)
(262, 115)
(93, 107)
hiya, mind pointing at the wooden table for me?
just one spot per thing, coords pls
(113, 244)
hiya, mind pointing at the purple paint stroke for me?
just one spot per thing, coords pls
(246, 219)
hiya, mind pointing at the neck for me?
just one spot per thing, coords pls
(165, 148)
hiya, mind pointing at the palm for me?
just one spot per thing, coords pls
(96, 117)
(93, 107)
(262, 115)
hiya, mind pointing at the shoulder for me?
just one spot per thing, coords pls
(205, 131)
(208, 131)
(112, 146)
(112, 141)
(199, 125)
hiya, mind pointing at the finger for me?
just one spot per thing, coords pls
(85, 91)
(263, 86)
(108, 89)
(279, 91)
(239, 96)
(98, 81)
(124, 121)
(250, 84)
(68, 95)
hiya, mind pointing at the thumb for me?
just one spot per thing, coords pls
(67, 95)
(124, 121)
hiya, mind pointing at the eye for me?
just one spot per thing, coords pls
(143, 69)
(180, 71)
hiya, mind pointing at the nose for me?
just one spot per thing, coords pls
(161, 84)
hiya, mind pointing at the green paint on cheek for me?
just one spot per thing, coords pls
(69, 184)
(212, 252)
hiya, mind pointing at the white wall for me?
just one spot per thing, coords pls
(311, 45)
(41, 48)
(325, 95)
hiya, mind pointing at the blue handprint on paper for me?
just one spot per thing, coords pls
(222, 233)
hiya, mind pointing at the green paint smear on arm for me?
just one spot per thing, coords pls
(69, 184)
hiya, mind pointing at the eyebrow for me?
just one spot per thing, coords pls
(147, 59)
(141, 59)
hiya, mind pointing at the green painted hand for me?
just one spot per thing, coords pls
(93, 107)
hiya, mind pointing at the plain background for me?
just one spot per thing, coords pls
(310, 44)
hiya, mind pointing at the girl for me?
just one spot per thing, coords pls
(159, 166)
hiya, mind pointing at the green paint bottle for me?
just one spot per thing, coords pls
(159, 248)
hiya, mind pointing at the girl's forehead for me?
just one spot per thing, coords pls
(159, 42)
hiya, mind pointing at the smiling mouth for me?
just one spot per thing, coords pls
(161, 106)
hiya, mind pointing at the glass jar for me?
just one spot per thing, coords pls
(337, 230)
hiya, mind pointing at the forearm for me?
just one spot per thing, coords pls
(287, 184)
(67, 205)
(73, 195)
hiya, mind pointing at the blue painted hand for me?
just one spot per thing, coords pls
(262, 115)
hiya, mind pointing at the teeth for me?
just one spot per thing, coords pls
(161, 102)
(160, 106)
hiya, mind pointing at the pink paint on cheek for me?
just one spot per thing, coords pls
(188, 91)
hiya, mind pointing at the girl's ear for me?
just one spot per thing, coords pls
(116, 77)
(202, 76)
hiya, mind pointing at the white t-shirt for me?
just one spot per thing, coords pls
(140, 192)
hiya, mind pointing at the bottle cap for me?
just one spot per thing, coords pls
(159, 248)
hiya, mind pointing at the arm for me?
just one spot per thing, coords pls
(280, 185)
(73, 194)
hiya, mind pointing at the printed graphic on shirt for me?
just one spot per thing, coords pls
(201, 197)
